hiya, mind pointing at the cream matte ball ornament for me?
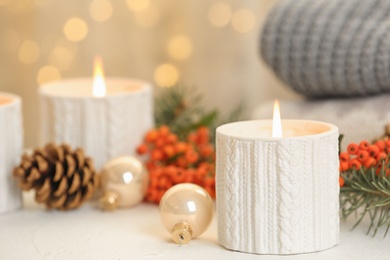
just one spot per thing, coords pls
(186, 211)
(124, 182)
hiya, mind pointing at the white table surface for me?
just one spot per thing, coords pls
(136, 233)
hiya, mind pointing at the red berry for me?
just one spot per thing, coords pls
(362, 156)
(164, 130)
(157, 155)
(380, 144)
(171, 138)
(341, 181)
(142, 149)
(355, 164)
(191, 156)
(381, 156)
(353, 148)
(370, 162)
(373, 150)
(364, 145)
(169, 151)
(344, 157)
(151, 136)
(344, 166)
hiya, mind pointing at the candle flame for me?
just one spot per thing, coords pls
(99, 86)
(277, 123)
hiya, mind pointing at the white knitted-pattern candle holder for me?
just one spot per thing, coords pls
(277, 196)
(11, 140)
(105, 127)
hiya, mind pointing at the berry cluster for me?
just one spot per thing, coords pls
(364, 155)
(172, 161)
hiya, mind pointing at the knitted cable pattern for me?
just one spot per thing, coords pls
(286, 187)
(328, 48)
(277, 197)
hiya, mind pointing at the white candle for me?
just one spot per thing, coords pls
(11, 145)
(277, 195)
(107, 125)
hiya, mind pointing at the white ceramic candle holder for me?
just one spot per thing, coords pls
(277, 195)
(11, 140)
(106, 127)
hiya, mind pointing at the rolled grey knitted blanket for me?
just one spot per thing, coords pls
(324, 48)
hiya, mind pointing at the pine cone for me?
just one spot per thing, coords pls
(63, 179)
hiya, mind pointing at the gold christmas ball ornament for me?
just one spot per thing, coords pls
(186, 211)
(124, 182)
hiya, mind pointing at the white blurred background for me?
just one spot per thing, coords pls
(213, 45)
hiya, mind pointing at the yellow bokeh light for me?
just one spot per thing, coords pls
(180, 47)
(11, 40)
(243, 20)
(29, 52)
(75, 29)
(100, 10)
(47, 74)
(148, 17)
(137, 5)
(166, 75)
(220, 14)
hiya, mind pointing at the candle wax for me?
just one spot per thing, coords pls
(5, 100)
(82, 88)
(262, 129)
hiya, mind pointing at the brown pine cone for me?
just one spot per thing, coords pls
(63, 179)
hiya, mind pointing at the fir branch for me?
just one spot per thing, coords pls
(370, 192)
(182, 109)
(179, 107)
(341, 137)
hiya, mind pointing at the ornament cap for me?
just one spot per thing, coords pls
(181, 233)
(109, 200)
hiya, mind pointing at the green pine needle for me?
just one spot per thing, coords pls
(367, 194)
(182, 109)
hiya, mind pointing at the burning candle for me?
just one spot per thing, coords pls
(277, 194)
(11, 140)
(107, 117)
(276, 122)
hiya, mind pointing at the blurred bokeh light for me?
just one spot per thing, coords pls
(243, 20)
(180, 47)
(47, 74)
(100, 10)
(137, 5)
(212, 45)
(220, 14)
(166, 75)
(75, 29)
